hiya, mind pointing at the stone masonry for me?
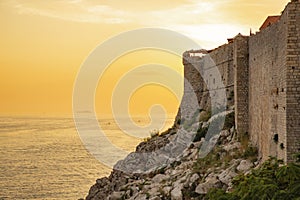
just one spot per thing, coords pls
(261, 76)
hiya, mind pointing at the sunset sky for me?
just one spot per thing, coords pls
(44, 43)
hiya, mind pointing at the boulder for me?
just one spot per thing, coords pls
(116, 195)
(244, 166)
(226, 176)
(141, 197)
(205, 124)
(155, 198)
(176, 193)
(158, 178)
(224, 133)
(198, 144)
(186, 153)
(154, 191)
(193, 179)
(194, 154)
(203, 188)
(232, 146)
(166, 190)
(195, 126)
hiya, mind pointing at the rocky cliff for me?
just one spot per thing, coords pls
(187, 173)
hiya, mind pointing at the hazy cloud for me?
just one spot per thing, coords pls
(72, 10)
(89, 11)
(201, 20)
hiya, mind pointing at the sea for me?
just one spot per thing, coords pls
(44, 157)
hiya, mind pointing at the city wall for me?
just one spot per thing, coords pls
(261, 76)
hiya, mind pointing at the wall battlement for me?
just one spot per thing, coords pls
(261, 75)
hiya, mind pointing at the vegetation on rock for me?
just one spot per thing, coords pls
(271, 180)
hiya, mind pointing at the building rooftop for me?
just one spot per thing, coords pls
(269, 21)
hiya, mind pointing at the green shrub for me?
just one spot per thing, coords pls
(209, 161)
(205, 116)
(201, 133)
(297, 157)
(269, 181)
(250, 152)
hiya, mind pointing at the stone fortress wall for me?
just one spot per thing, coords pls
(199, 72)
(293, 79)
(267, 88)
(261, 76)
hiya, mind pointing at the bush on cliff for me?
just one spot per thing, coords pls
(270, 181)
(201, 133)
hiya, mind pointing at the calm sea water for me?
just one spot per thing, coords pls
(44, 158)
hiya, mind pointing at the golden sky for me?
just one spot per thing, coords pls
(44, 43)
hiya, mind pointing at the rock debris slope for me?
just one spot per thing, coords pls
(185, 174)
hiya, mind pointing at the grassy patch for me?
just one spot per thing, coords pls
(210, 161)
